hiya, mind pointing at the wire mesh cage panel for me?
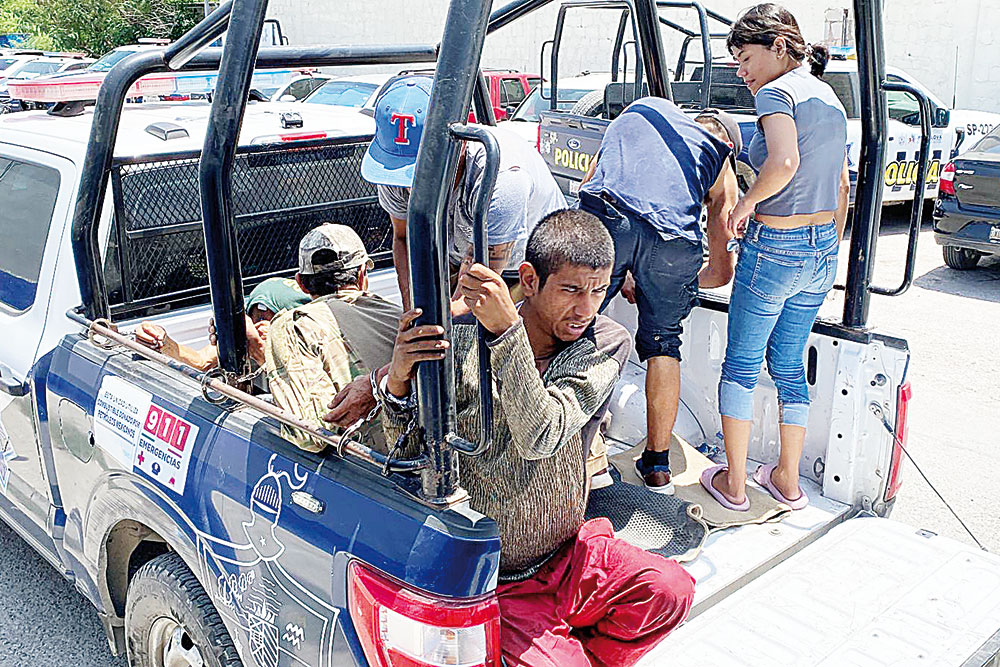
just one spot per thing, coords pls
(156, 251)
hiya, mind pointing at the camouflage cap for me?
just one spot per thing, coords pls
(348, 252)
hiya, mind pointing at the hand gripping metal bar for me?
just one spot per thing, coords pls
(480, 250)
(917, 208)
(104, 335)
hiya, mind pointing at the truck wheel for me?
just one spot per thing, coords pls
(170, 620)
(591, 104)
(960, 258)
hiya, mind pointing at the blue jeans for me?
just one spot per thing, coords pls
(782, 277)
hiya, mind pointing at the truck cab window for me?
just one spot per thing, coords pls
(514, 92)
(844, 85)
(902, 106)
(27, 198)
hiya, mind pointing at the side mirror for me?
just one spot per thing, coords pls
(941, 117)
(287, 98)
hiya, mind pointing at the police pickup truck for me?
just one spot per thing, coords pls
(203, 537)
(568, 144)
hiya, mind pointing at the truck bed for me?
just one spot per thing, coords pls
(870, 592)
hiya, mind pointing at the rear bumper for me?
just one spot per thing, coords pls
(972, 230)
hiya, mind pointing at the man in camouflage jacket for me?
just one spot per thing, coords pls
(317, 349)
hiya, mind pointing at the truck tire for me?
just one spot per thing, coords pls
(591, 104)
(960, 259)
(170, 620)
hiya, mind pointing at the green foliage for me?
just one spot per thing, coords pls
(95, 26)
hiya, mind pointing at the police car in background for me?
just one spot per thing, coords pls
(34, 67)
(951, 128)
(569, 146)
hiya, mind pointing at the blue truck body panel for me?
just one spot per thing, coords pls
(276, 570)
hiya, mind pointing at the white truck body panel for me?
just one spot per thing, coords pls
(870, 592)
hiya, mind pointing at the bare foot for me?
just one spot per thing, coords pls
(723, 487)
(789, 488)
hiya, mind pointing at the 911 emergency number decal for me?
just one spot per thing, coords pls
(141, 435)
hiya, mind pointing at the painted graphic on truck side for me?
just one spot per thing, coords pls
(279, 621)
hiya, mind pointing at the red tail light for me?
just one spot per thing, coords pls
(902, 431)
(538, 137)
(402, 627)
(947, 186)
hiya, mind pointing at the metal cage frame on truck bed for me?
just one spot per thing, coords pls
(456, 78)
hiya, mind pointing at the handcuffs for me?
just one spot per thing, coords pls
(386, 398)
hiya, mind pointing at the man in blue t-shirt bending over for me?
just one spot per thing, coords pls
(656, 168)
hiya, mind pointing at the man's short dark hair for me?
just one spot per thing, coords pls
(328, 282)
(568, 236)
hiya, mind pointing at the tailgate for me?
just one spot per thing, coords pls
(568, 143)
(871, 592)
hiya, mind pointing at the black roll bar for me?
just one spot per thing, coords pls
(616, 52)
(481, 250)
(512, 11)
(654, 62)
(706, 44)
(215, 172)
(427, 235)
(626, 6)
(868, 195)
(917, 207)
(681, 67)
(96, 168)
(179, 53)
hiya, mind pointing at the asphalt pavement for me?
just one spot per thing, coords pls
(951, 320)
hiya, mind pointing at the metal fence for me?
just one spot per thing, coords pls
(156, 252)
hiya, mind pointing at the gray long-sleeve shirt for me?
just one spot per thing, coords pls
(532, 482)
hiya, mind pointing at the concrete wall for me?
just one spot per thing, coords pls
(952, 46)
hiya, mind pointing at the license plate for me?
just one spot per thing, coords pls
(574, 189)
(995, 234)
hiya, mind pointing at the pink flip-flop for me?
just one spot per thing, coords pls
(707, 476)
(763, 477)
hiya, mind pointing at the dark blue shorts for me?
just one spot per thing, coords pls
(665, 272)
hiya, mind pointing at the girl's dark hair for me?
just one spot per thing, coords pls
(764, 23)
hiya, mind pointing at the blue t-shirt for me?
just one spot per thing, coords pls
(657, 162)
(821, 125)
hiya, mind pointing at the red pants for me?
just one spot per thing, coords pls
(598, 601)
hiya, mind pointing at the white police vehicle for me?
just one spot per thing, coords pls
(951, 128)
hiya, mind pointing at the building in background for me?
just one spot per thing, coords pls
(953, 47)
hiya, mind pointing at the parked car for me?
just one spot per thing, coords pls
(355, 92)
(35, 68)
(295, 89)
(508, 88)
(967, 212)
